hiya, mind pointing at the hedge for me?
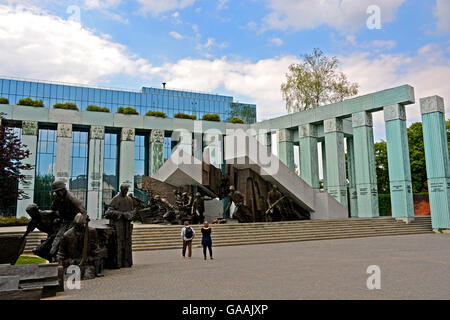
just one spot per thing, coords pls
(30, 102)
(155, 114)
(13, 221)
(66, 106)
(384, 204)
(236, 120)
(4, 100)
(127, 110)
(95, 108)
(181, 115)
(211, 117)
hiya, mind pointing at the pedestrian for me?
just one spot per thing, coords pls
(206, 239)
(187, 235)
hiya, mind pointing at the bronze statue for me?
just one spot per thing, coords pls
(120, 214)
(274, 213)
(164, 209)
(47, 221)
(241, 211)
(198, 207)
(67, 206)
(79, 246)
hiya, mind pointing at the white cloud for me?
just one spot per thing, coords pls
(175, 35)
(442, 12)
(58, 49)
(277, 41)
(101, 4)
(343, 15)
(222, 5)
(156, 7)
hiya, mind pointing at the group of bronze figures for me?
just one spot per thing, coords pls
(71, 240)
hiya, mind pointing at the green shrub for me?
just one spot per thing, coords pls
(211, 117)
(30, 260)
(13, 221)
(66, 106)
(384, 204)
(4, 100)
(181, 115)
(30, 102)
(95, 108)
(155, 114)
(236, 120)
(127, 110)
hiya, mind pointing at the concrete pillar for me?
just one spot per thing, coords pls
(437, 159)
(63, 150)
(335, 158)
(324, 164)
(353, 194)
(156, 151)
(400, 185)
(29, 138)
(126, 158)
(365, 171)
(197, 145)
(213, 149)
(308, 155)
(95, 172)
(286, 148)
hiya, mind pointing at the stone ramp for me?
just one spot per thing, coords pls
(243, 151)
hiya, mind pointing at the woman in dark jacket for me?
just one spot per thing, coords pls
(206, 239)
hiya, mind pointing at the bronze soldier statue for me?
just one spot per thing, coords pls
(120, 214)
(47, 221)
(67, 206)
(274, 213)
(198, 207)
(165, 209)
(72, 247)
(241, 211)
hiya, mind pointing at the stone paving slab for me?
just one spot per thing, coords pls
(412, 267)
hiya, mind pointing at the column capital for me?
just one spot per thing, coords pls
(64, 130)
(284, 135)
(394, 112)
(157, 136)
(432, 104)
(97, 132)
(29, 128)
(307, 130)
(127, 134)
(333, 125)
(361, 119)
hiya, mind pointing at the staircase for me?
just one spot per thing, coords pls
(154, 237)
(168, 237)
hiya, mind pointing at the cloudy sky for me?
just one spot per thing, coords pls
(234, 47)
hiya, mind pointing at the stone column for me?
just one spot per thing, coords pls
(324, 164)
(286, 148)
(95, 172)
(63, 151)
(29, 138)
(156, 151)
(335, 158)
(126, 158)
(365, 171)
(197, 145)
(353, 194)
(436, 156)
(308, 155)
(400, 185)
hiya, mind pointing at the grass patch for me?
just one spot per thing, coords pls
(30, 260)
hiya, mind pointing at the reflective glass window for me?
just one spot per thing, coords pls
(13, 87)
(79, 165)
(53, 91)
(19, 88)
(97, 95)
(66, 90)
(5, 86)
(140, 165)
(60, 92)
(73, 93)
(91, 95)
(40, 90)
(110, 168)
(45, 168)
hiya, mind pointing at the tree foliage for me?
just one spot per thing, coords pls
(66, 106)
(235, 119)
(314, 82)
(158, 114)
(4, 100)
(95, 108)
(211, 117)
(127, 110)
(30, 102)
(181, 115)
(12, 154)
(381, 160)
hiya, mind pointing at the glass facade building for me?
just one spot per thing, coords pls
(147, 99)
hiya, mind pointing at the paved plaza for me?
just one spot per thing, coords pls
(412, 267)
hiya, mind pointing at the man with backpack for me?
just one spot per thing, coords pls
(187, 235)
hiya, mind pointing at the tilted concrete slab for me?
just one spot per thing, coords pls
(244, 151)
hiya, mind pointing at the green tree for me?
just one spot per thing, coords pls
(417, 158)
(314, 82)
(242, 111)
(381, 160)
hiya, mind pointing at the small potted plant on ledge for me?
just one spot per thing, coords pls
(211, 117)
(127, 110)
(66, 106)
(181, 115)
(4, 100)
(235, 119)
(30, 102)
(158, 114)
